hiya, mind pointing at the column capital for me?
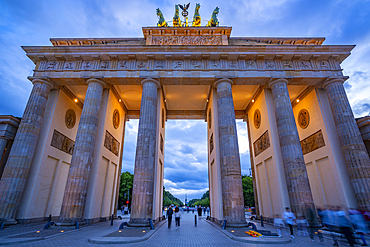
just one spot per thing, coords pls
(276, 80)
(151, 80)
(223, 80)
(332, 80)
(43, 81)
(96, 80)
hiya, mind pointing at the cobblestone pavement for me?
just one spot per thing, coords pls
(187, 235)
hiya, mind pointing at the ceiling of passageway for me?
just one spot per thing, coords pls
(186, 97)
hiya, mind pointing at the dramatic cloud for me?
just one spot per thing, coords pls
(29, 23)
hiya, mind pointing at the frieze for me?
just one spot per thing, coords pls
(111, 143)
(261, 144)
(62, 142)
(186, 40)
(313, 142)
(192, 64)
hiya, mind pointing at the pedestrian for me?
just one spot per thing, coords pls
(208, 210)
(204, 210)
(199, 210)
(313, 223)
(302, 226)
(169, 216)
(279, 224)
(328, 220)
(345, 226)
(359, 224)
(289, 220)
(177, 216)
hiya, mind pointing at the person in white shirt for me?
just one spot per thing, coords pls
(289, 220)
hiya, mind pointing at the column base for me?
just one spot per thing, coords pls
(70, 222)
(139, 223)
(8, 222)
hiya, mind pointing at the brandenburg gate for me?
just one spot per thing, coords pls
(305, 146)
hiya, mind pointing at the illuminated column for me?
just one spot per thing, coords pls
(291, 151)
(143, 187)
(17, 168)
(76, 189)
(231, 178)
(353, 148)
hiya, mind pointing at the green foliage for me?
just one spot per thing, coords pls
(125, 188)
(204, 201)
(248, 191)
(169, 199)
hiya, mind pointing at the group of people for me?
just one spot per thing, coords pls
(334, 220)
(177, 213)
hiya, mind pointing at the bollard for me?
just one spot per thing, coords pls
(48, 225)
(111, 220)
(254, 227)
(224, 225)
(262, 221)
(2, 225)
(77, 225)
(195, 220)
(122, 225)
(49, 218)
(151, 224)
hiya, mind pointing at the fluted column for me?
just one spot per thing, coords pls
(291, 151)
(3, 143)
(143, 187)
(76, 188)
(353, 148)
(231, 178)
(17, 168)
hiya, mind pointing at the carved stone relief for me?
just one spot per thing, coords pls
(104, 65)
(257, 118)
(70, 119)
(211, 145)
(313, 142)
(209, 119)
(161, 144)
(303, 118)
(261, 144)
(116, 119)
(186, 40)
(111, 143)
(62, 142)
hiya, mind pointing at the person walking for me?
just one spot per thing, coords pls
(345, 226)
(313, 223)
(199, 211)
(169, 216)
(359, 224)
(328, 220)
(289, 220)
(177, 216)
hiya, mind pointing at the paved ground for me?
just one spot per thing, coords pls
(187, 234)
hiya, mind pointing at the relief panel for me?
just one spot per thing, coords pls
(111, 143)
(62, 142)
(313, 142)
(261, 144)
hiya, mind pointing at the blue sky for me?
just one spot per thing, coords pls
(33, 22)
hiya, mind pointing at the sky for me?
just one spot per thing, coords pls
(34, 22)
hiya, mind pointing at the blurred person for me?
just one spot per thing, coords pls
(208, 210)
(302, 225)
(169, 216)
(313, 223)
(177, 216)
(289, 218)
(328, 220)
(345, 225)
(199, 210)
(204, 210)
(358, 223)
(278, 224)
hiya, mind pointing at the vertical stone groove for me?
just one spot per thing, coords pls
(18, 165)
(298, 186)
(231, 178)
(143, 187)
(76, 188)
(353, 147)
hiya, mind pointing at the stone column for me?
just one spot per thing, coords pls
(18, 165)
(298, 186)
(353, 148)
(79, 172)
(231, 178)
(3, 143)
(143, 187)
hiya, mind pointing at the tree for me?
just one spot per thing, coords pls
(248, 192)
(169, 199)
(204, 201)
(125, 188)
